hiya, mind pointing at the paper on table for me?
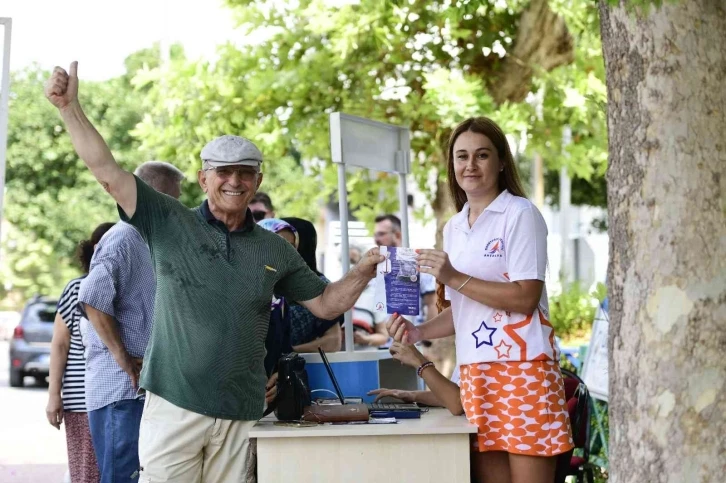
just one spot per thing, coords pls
(375, 420)
(397, 282)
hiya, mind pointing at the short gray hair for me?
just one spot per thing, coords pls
(161, 176)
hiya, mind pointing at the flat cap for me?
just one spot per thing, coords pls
(231, 150)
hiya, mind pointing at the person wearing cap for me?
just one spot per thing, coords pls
(216, 272)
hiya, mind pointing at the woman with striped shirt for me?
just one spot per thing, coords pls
(67, 396)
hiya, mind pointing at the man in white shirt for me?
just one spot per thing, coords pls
(388, 233)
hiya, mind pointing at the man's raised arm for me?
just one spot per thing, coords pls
(62, 91)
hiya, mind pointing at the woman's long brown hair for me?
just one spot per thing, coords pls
(508, 177)
(441, 302)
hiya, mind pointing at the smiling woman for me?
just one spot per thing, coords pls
(493, 267)
(486, 141)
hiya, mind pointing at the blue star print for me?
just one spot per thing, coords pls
(486, 338)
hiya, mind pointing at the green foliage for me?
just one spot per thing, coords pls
(426, 65)
(52, 201)
(598, 454)
(575, 95)
(572, 311)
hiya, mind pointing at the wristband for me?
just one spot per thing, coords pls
(423, 366)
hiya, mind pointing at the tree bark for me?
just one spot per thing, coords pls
(666, 73)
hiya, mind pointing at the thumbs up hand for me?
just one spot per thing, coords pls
(62, 87)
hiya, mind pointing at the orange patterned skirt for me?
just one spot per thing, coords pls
(519, 407)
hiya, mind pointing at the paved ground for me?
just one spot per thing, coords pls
(31, 450)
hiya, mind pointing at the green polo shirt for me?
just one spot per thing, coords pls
(212, 307)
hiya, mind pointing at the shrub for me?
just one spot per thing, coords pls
(573, 311)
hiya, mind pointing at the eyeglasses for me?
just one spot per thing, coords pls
(243, 172)
(259, 215)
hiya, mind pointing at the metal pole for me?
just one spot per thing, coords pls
(565, 196)
(537, 181)
(4, 100)
(403, 201)
(345, 249)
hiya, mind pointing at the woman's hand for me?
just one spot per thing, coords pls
(436, 262)
(401, 395)
(403, 330)
(54, 410)
(361, 337)
(407, 354)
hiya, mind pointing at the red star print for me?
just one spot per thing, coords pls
(502, 349)
(497, 317)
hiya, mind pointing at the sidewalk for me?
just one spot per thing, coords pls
(46, 473)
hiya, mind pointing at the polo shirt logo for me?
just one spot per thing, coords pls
(494, 248)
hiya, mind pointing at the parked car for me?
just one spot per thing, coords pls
(30, 345)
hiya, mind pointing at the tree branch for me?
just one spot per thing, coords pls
(543, 42)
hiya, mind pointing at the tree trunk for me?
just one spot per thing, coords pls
(666, 73)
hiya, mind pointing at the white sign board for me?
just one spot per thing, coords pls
(595, 368)
(356, 141)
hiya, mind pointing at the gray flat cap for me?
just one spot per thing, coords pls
(230, 150)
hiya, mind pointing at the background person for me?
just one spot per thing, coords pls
(117, 297)
(308, 332)
(442, 392)
(277, 342)
(67, 389)
(388, 233)
(261, 206)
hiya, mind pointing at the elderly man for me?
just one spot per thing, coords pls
(118, 298)
(216, 272)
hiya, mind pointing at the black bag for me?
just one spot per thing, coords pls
(293, 391)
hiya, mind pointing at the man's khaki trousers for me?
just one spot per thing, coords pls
(181, 446)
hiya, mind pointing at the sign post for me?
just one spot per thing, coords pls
(7, 24)
(595, 376)
(595, 366)
(360, 142)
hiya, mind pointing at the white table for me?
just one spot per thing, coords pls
(432, 449)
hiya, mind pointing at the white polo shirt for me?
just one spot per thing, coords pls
(507, 243)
